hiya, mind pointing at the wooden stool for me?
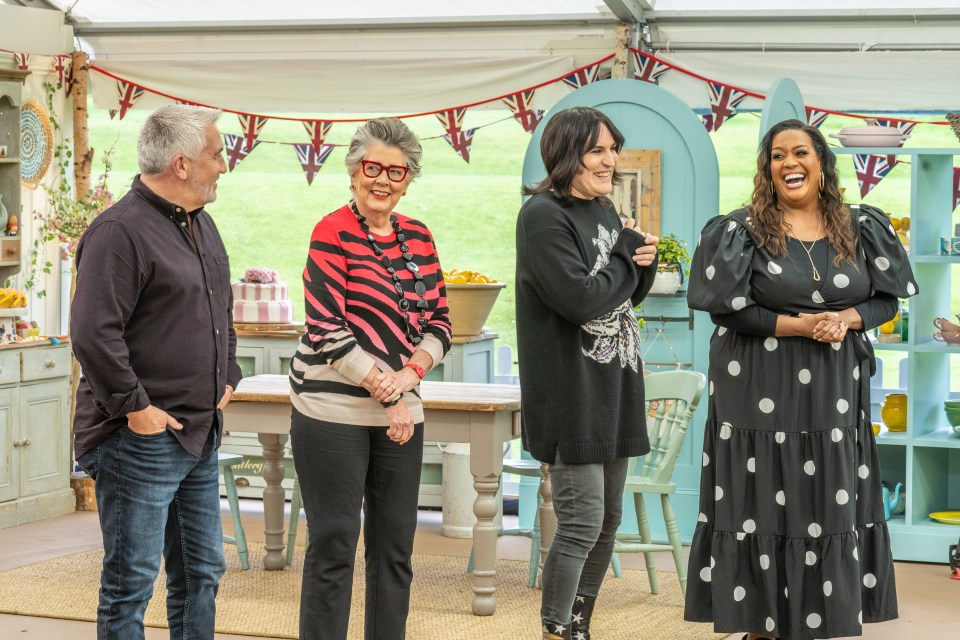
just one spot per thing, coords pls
(226, 461)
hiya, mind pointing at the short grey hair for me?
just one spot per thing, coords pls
(389, 131)
(171, 130)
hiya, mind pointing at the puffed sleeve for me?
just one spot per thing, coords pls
(720, 270)
(887, 262)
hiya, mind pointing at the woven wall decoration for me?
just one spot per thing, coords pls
(36, 143)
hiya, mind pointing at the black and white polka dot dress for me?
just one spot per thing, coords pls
(791, 541)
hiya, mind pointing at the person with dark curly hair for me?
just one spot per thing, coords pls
(791, 540)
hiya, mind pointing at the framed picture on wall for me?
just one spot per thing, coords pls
(638, 194)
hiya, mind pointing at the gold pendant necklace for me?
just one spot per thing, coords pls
(816, 274)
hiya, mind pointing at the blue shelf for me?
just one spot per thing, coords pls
(935, 259)
(932, 346)
(900, 151)
(939, 438)
(893, 437)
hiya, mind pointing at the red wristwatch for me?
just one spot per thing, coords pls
(416, 369)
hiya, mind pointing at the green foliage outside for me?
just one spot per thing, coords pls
(265, 210)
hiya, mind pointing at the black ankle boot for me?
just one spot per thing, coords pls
(553, 631)
(582, 612)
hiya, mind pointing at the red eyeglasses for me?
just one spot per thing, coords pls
(395, 173)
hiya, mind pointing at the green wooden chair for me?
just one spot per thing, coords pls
(226, 462)
(672, 398)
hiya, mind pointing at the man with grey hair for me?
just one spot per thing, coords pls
(152, 327)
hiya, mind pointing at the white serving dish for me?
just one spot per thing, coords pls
(870, 136)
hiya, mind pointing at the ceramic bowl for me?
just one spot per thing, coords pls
(956, 430)
(869, 136)
(953, 417)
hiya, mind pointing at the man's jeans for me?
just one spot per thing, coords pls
(155, 498)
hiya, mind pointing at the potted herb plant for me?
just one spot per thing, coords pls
(673, 261)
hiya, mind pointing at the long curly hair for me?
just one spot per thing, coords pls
(768, 218)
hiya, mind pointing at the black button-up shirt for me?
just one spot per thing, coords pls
(152, 319)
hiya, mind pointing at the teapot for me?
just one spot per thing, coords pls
(890, 502)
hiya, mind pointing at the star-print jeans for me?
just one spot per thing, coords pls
(588, 501)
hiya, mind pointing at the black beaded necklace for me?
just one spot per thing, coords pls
(414, 334)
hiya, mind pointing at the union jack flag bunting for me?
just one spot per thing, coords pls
(956, 187)
(815, 118)
(462, 142)
(318, 130)
(310, 159)
(129, 94)
(648, 68)
(113, 113)
(22, 59)
(452, 122)
(251, 125)
(723, 104)
(186, 102)
(236, 148)
(60, 68)
(519, 104)
(583, 77)
(905, 129)
(871, 169)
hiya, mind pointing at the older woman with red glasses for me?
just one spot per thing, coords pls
(376, 322)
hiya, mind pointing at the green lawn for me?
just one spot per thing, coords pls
(266, 210)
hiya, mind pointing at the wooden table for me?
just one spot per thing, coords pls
(484, 415)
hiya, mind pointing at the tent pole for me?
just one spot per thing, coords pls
(620, 55)
(82, 153)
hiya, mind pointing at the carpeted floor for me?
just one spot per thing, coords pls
(266, 603)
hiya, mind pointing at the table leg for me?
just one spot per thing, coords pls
(486, 467)
(548, 519)
(273, 500)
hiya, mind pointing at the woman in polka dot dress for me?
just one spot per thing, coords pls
(791, 541)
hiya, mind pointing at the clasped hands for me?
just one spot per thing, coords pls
(387, 387)
(825, 327)
(645, 255)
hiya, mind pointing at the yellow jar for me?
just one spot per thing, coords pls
(894, 411)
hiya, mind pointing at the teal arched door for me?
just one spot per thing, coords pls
(783, 102)
(651, 118)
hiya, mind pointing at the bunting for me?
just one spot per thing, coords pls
(723, 105)
(186, 102)
(583, 77)
(815, 118)
(460, 140)
(318, 130)
(236, 148)
(251, 126)
(648, 68)
(956, 187)
(904, 127)
(519, 104)
(69, 80)
(61, 69)
(23, 60)
(871, 169)
(129, 94)
(311, 160)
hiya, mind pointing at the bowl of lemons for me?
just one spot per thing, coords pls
(470, 298)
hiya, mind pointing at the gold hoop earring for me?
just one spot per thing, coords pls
(822, 183)
(773, 191)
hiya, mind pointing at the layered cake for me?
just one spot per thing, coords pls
(261, 299)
